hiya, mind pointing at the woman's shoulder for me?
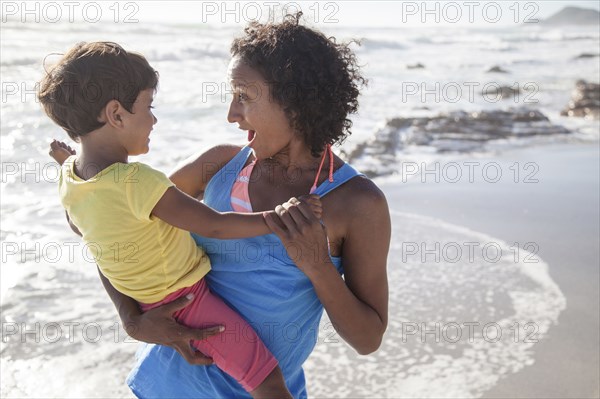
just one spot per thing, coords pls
(213, 159)
(220, 154)
(356, 202)
(361, 192)
(359, 188)
(194, 173)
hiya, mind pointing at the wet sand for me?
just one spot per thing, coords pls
(560, 213)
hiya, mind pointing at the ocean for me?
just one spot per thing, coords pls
(60, 333)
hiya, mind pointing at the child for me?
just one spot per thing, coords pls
(132, 217)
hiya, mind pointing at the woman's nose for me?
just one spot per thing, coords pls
(234, 114)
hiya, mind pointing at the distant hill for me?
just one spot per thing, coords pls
(574, 16)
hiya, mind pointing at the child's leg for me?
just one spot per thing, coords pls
(238, 350)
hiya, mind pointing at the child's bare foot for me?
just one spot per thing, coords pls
(60, 151)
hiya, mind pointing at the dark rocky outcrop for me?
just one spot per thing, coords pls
(586, 55)
(585, 101)
(453, 132)
(504, 92)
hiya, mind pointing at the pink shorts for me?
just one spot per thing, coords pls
(237, 350)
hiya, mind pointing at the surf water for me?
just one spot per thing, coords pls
(458, 323)
(61, 336)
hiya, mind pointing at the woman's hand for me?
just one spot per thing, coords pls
(158, 326)
(298, 226)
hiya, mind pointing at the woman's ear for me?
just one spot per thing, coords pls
(113, 114)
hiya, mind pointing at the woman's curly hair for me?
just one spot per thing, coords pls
(315, 79)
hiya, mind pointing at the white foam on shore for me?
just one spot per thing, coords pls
(514, 295)
(60, 333)
(470, 290)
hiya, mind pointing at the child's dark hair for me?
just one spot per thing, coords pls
(75, 91)
(315, 79)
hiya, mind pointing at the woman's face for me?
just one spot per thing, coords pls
(254, 111)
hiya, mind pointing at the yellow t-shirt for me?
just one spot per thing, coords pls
(142, 256)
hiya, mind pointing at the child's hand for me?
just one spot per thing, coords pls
(310, 202)
(60, 151)
(314, 201)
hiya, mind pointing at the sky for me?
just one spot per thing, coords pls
(363, 13)
(341, 13)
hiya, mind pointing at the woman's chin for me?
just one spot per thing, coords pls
(251, 136)
(253, 144)
(258, 153)
(261, 152)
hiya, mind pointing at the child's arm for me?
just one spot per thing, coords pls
(182, 211)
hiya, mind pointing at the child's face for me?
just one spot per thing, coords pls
(139, 123)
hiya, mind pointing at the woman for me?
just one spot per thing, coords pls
(293, 91)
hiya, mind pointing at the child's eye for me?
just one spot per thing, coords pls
(151, 107)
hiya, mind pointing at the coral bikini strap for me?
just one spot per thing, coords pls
(326, 152)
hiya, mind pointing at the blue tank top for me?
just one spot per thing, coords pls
(257, 278)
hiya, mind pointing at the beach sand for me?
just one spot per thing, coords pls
(559, 293)
(561, 214)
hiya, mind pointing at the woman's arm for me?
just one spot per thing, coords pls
(158, 325)
(72, 226)
(358, 304)
(365, 286)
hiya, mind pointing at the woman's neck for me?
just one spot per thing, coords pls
(296, 166)
(295, 156)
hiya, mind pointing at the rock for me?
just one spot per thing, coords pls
(574, 16)
(460, 132)
(587, 55)
(585, 101)
(503, 91)
(416, 66)
(496, 69)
